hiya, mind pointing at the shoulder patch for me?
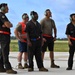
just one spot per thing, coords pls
(3, 16)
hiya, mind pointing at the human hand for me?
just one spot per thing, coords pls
(70, 43)
(29, 43)
(54, 38)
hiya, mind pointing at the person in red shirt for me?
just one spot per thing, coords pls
(22, 41)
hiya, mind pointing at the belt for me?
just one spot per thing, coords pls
(73, 38)
(4, 32)
(25, 40)
(35, 39)
(46, 35)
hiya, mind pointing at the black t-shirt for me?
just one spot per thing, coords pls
(3, 18)
(70, 30)
(34, 30)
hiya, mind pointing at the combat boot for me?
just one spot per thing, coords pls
(69, 68)
(10, 71)
(30, 69)
(20, 66)
(25, 65)
(43, 69)
(2, 70)
(53, 65)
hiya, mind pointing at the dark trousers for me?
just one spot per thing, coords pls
(4, 53)
(35, 49)
(71, 54)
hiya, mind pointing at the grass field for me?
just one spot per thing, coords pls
(60, 46)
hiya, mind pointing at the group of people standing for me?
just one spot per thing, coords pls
(39, 37)
(33, 40)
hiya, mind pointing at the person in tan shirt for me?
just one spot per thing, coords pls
(48, 29)
(5, 25)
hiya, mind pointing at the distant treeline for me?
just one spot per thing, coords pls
(14, 38)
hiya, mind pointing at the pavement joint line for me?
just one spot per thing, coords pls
(47, 58)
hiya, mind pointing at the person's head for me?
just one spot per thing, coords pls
(4, 7)
(72, 17)
(48, 13)
(34, 15)
(25, 17)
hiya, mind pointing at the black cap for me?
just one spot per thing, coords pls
(72, 14)
(24, 15)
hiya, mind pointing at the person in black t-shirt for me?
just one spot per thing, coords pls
(34, 42)
(5, 26)
(70, 32)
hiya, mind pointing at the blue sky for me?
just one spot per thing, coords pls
(61, 9)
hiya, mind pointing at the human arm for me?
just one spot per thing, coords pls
(7, 24)
(28, 38)
(5, 21)
(55, 30)
(55, 33)
(68, 35)
(17, 32)
(42, 28)
(69, 42)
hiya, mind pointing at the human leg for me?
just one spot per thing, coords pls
(38, 57)
(5, 54)
(25, 57)
(20, 60)
(30, 58)
(19, 57)
(25, 60)
(43, 50)
(70, 59)
(51, 53)
(2, 69)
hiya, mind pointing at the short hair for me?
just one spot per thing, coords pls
(24, 15)
(3, 5)
(47, 10)
(33, 13)
(72, 14)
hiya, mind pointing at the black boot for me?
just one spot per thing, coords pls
(2, 70)
(25, 65)
(11, 71)
(20, 66)
(69, 68)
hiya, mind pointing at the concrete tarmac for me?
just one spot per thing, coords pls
(60, 59)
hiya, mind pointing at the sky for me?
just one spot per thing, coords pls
(61, 9)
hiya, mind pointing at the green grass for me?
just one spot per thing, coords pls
(59, 46)
(14, 45)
